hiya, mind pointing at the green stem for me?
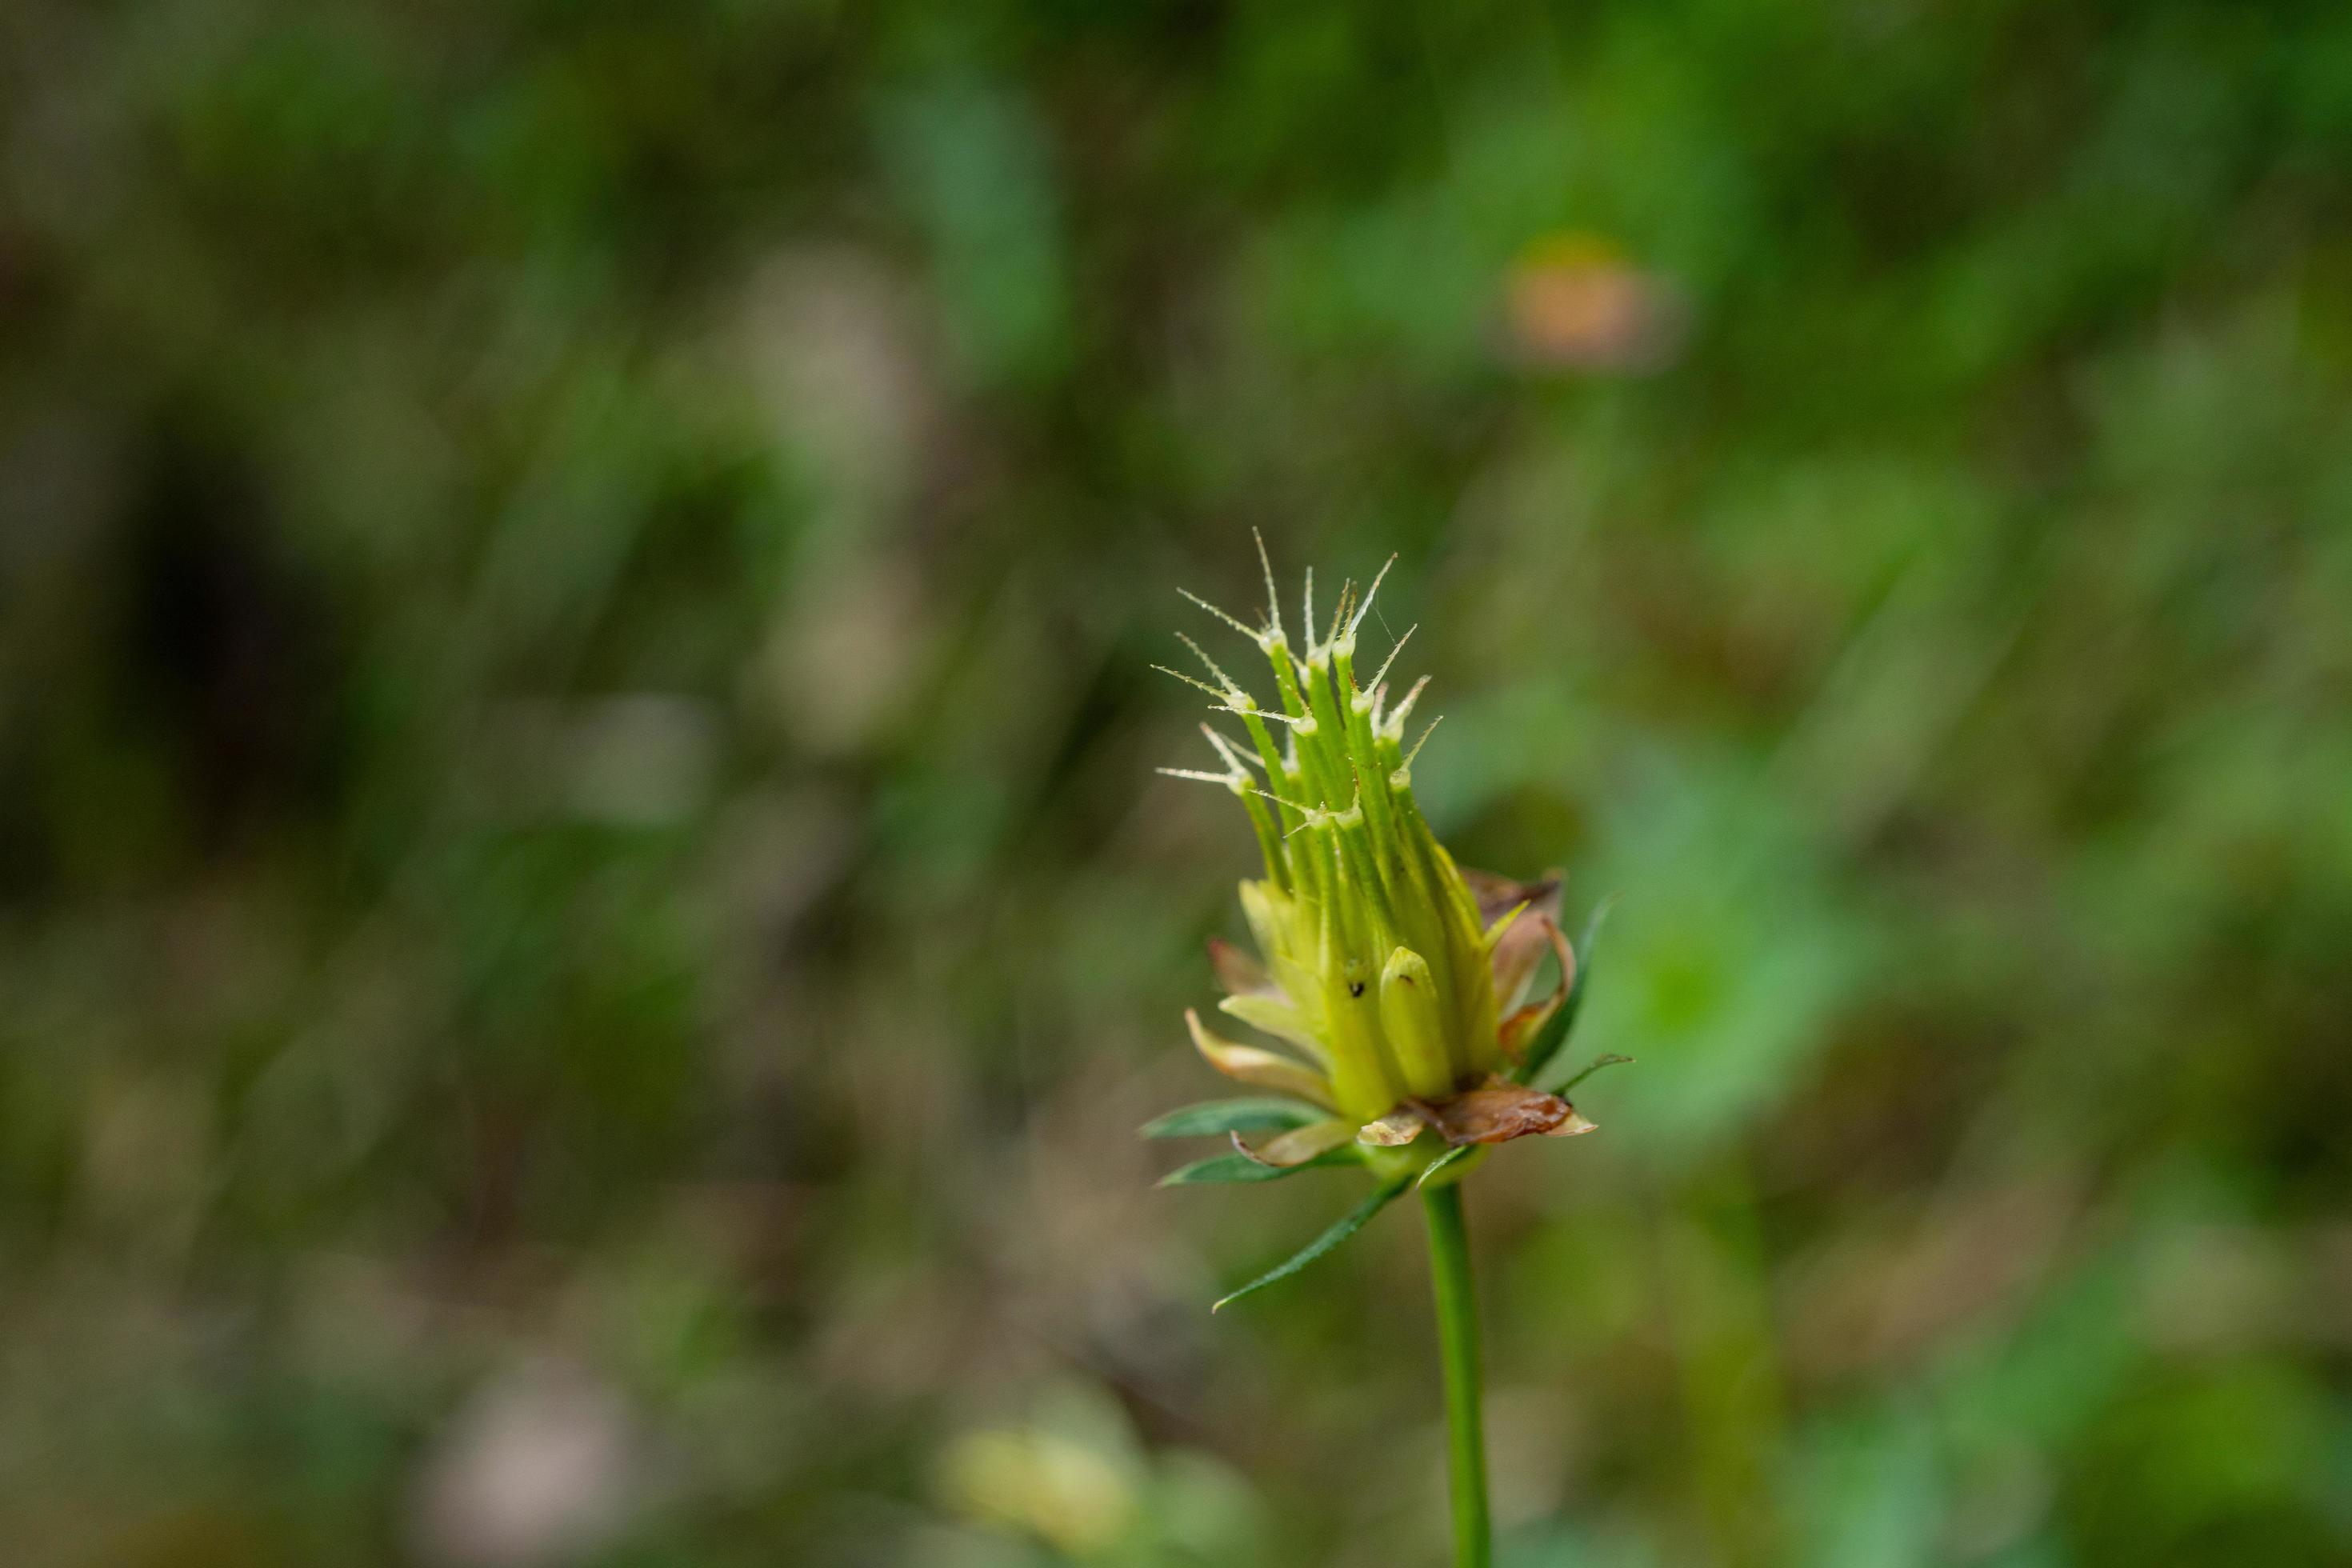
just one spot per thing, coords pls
(1457, 1345)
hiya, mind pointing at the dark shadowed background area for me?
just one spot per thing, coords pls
(585, 923)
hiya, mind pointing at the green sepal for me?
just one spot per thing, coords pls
(1348, 1224)
(1547, 1045)
(1220, 1168)
(1215, 1118)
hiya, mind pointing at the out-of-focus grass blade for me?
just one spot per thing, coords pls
(1546, 1045)
(1215, 1118)
(1348, 1224)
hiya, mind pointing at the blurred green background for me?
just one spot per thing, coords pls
(584, 921)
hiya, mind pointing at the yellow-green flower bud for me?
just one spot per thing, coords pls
(1382, 965)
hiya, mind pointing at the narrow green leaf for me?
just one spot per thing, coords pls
(1611, 1060)
(1547, 1045)
(1452, 1157)
(1241, 1168)
(1348, 1224)
(1215, 1117)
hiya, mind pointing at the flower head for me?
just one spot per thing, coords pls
(1393, 979)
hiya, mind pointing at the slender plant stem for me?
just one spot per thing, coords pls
(1457, 1345)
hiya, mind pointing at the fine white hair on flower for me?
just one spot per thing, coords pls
(1230, 781)
(1194, 682)
(1235, 758)
(1234, 691)
(1263, 637)
(1394, 727)
(1365, 607)
(1382, 673)
(1273, 599)
(1417, 746)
